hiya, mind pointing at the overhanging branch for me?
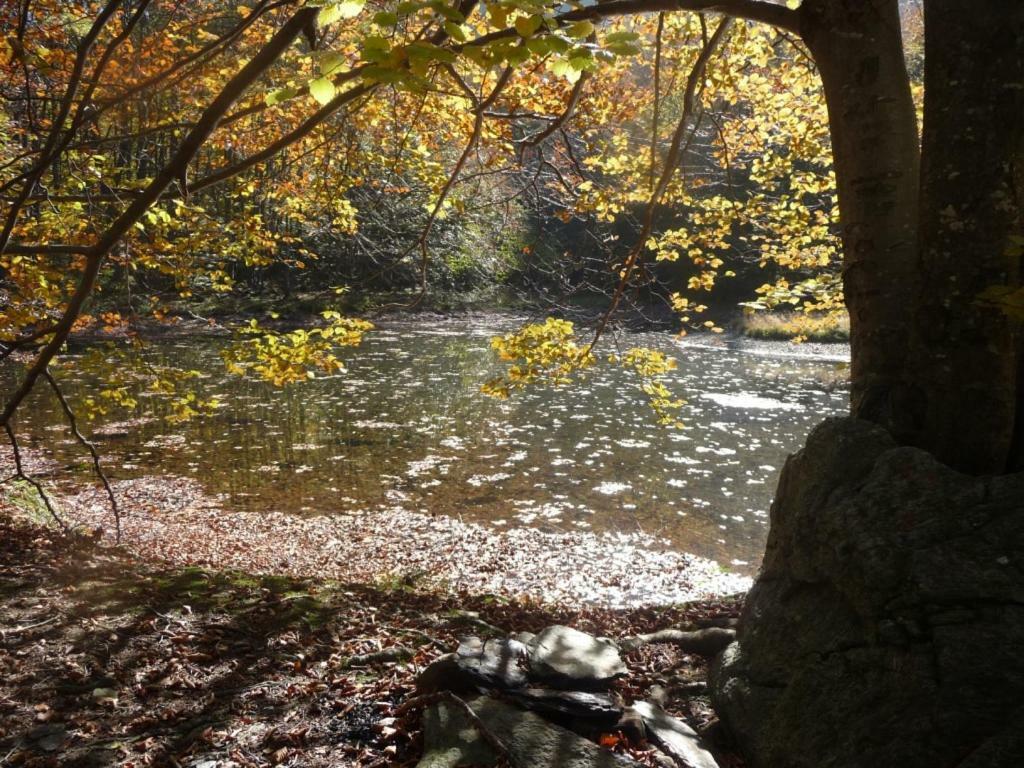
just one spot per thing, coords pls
(175, 169)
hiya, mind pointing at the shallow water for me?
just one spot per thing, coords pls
(405, 426)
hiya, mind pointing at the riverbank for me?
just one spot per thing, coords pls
(829, 328)
(173, 521)
(792, 335)
(108, 659)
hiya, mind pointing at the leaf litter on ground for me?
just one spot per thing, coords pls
(214, 638)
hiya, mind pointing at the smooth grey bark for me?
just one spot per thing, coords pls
(928, 229)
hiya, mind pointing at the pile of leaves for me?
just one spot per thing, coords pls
(105, 659)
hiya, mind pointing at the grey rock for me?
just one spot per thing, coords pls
(500, 663)
(886, 624)
(632, 725)
(674, 737)
(600, 709)
(569, 658)
(451, 740)
(49, 737)
(708, 642)
(477, 664)
(444, 674)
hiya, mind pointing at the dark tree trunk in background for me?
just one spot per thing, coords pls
(967, 356)
(859, 51)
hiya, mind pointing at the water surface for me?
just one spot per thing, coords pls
(406, 426)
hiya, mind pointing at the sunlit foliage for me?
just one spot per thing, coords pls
(427, 120)
(286, 357)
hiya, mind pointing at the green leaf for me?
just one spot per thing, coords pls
(383, 74)
(621, 37)
(516, 55)
(563, 68)
(539, 46)
(281, 94)
(499, 15)
(624, 49)
(322, 89)
(559, 44)
(582, 59)
(580, 29)
(342, 9)
(385, 19)
(477, 54)
(375, 49)
(455, 31)
(407, 8)
(447, 11)
(527, 25)
(332, 62)
(430, 52)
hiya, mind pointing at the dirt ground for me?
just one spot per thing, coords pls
(107, 659)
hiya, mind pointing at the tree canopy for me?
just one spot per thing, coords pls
(179, 149)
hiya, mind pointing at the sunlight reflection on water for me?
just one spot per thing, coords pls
(405, 424)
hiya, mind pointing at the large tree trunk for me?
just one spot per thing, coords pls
(859, 51)
(884, 624)
(968, 355)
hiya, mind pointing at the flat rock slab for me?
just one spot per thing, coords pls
(452, 741)
(596, 708)
(674, 737)
(501, 663)
(477, 663)
(569, 658)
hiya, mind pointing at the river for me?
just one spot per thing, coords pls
(405, 426)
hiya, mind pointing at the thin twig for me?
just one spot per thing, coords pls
(21, 475)
(27, 627)
(657, 99)
(175, 169)
(667, 171)
(89, 446)
(557, 123)
(421, 241)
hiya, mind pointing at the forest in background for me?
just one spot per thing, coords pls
(373, 199)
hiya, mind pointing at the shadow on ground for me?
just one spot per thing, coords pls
(108, 661)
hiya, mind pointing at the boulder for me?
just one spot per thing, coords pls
(451, 740)
(568, 658)
(886, 625)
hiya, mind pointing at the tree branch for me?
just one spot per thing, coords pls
(175, 169)
(9, 345)
(48, 154)
(50, 249)
(19, 473)
(73, 423)
(667, 171)
(777, 16)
